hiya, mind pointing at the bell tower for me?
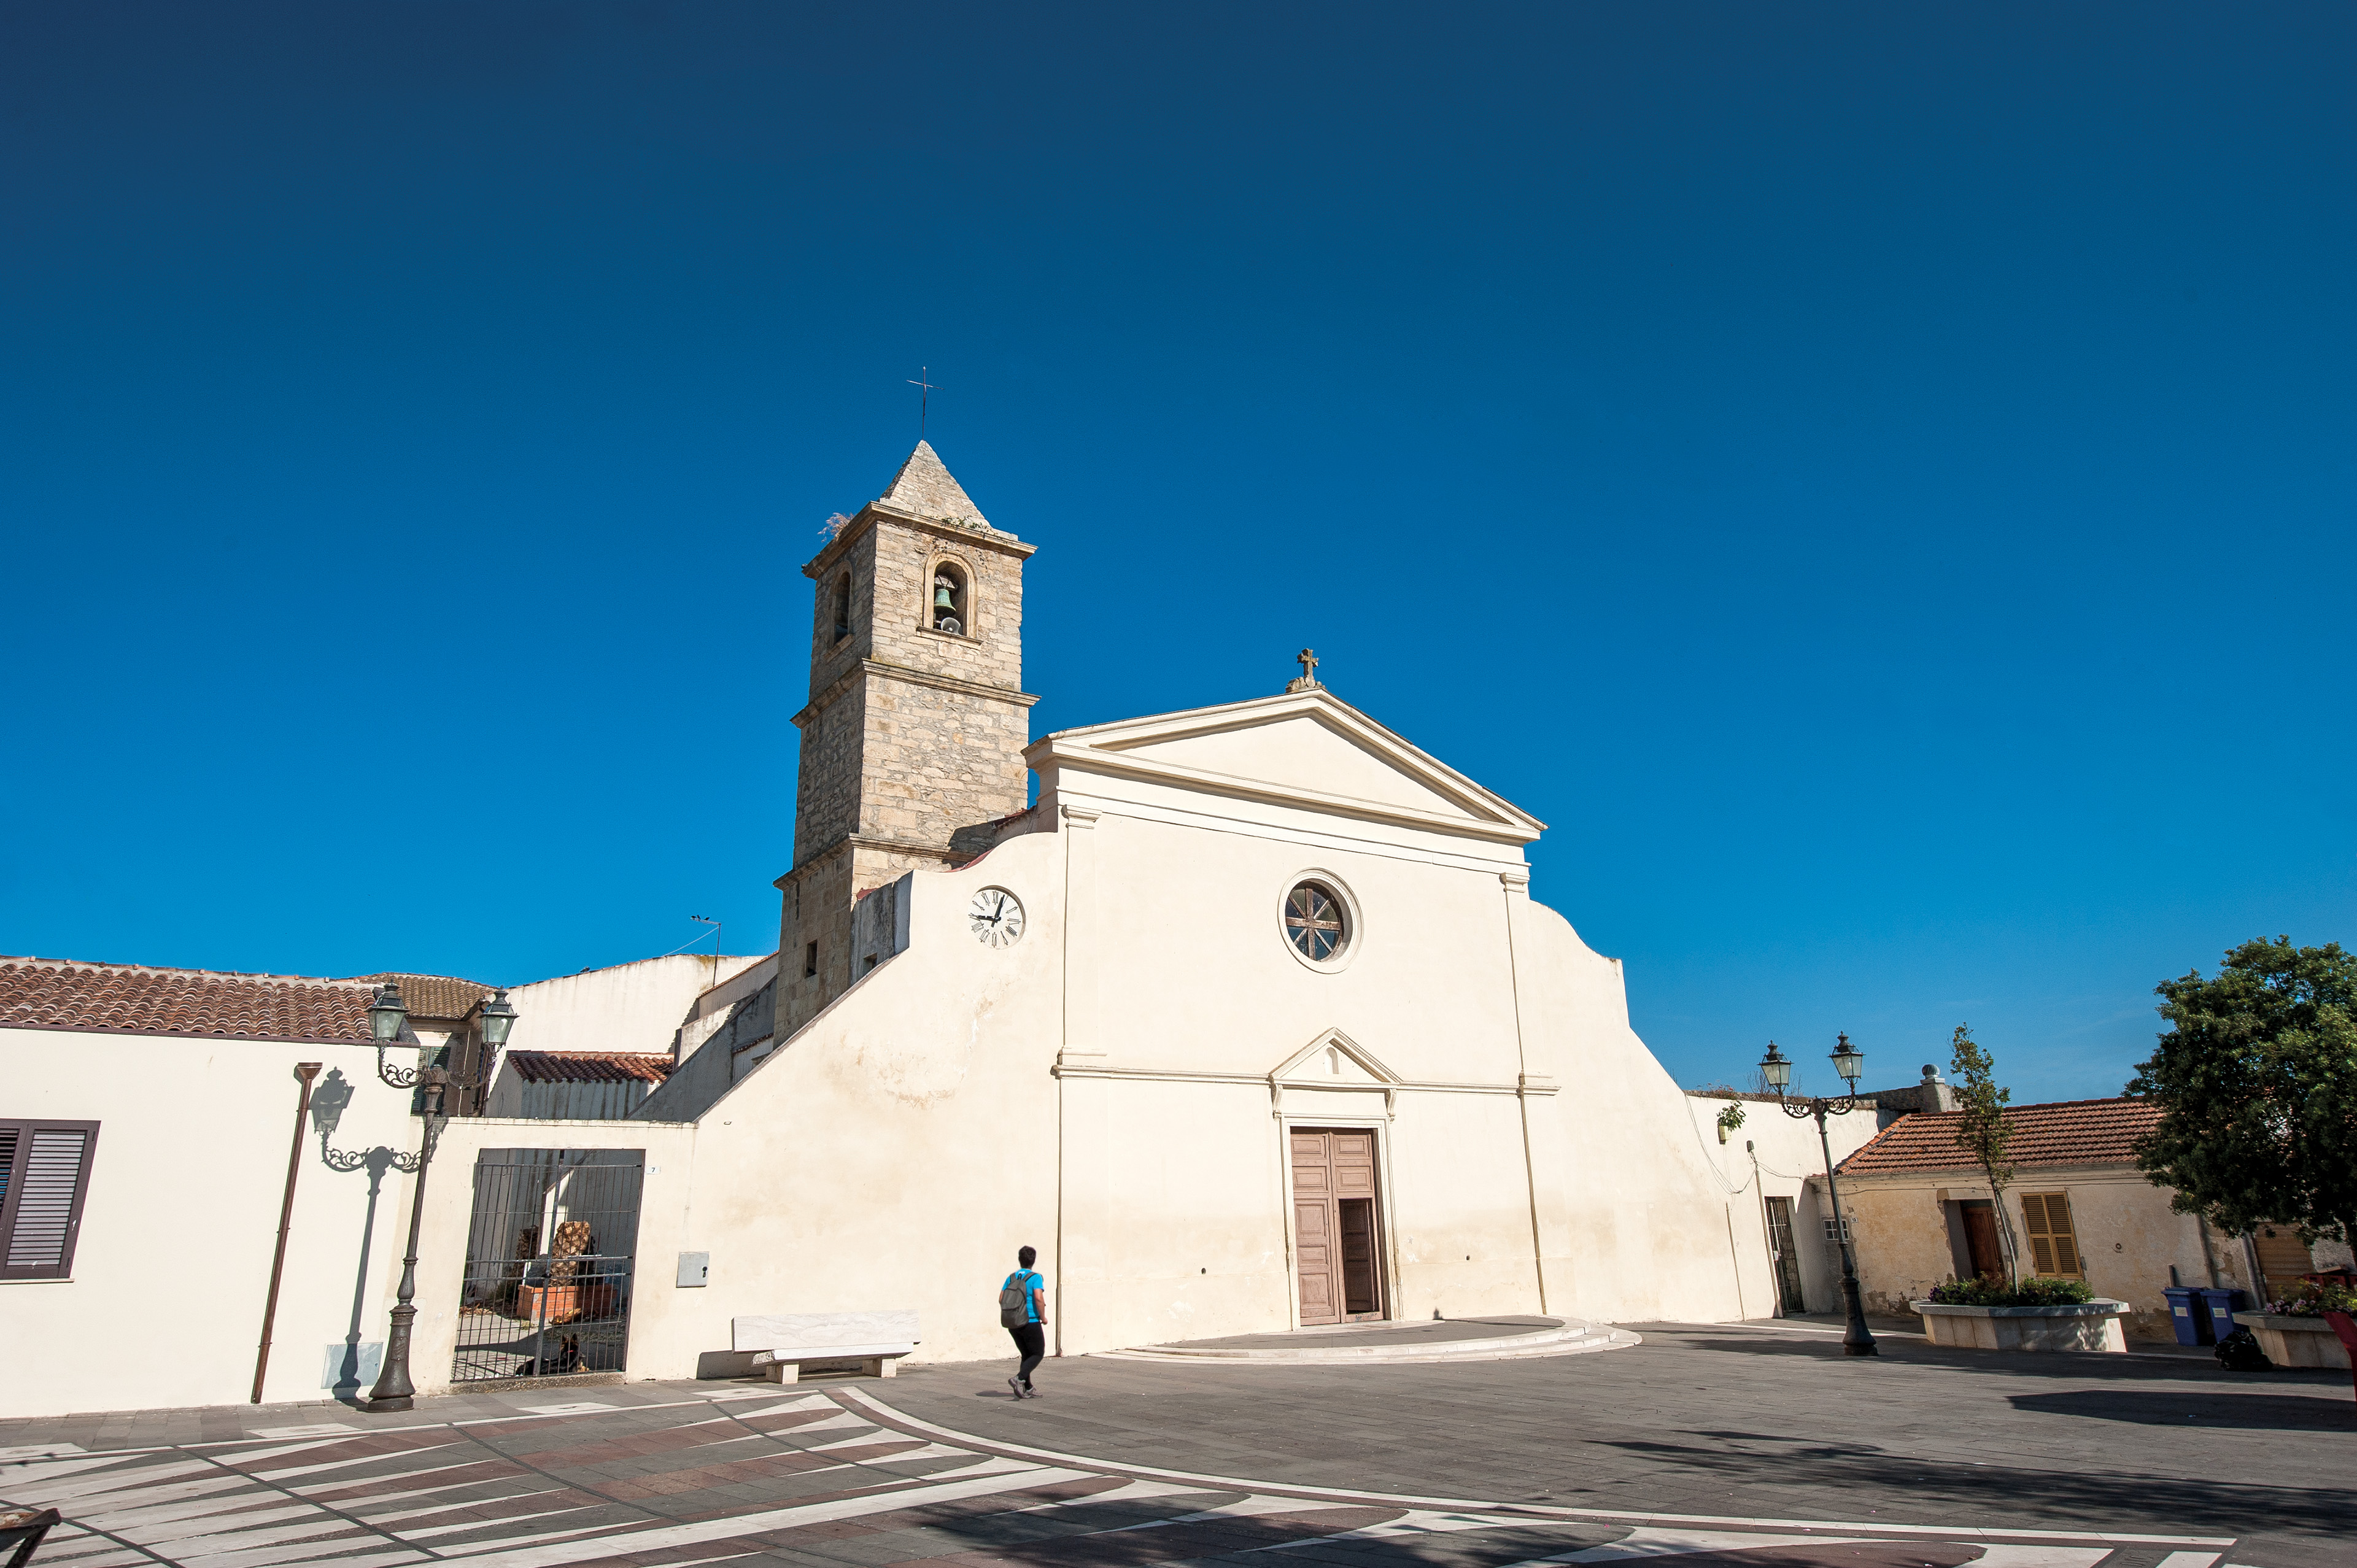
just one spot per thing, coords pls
(912, 740)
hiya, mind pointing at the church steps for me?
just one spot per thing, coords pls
(1571, 1338)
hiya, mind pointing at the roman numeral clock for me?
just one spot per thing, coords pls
(995, 917)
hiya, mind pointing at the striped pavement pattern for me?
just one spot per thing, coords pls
(817, 1478)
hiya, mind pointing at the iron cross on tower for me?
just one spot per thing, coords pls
(926, 390)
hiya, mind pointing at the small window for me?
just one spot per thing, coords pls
(809, 959)
(843, 606)
(2053, 1247)
(1316, 922)
(44, 1177)
(950, 607)
(1836, 1230)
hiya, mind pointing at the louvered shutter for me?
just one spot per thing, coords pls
(2053, 1247)
(2058, 1226)
(49, 1166)
(2041, 1249)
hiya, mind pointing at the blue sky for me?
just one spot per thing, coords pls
(1875, 480)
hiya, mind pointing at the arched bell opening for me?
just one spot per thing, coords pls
(951, 603)
(843, 606)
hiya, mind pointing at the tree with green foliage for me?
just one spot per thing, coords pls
(1980, 1104)
(2256, 1083)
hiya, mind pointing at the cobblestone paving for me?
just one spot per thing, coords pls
(1715, 1446)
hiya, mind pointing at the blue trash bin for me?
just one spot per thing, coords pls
(2189, 1314)
(2223, 1305)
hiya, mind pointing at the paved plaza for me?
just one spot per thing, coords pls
(1736, 1446)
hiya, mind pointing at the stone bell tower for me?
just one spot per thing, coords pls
(912, 741)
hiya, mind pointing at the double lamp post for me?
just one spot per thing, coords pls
(1857, 1340)
(387, 1017)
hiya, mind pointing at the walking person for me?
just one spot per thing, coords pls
(1023, 1309)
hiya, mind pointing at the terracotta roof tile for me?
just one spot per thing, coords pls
(2060, 1132)
(587, 1067)
(133, 998)
(432, 996)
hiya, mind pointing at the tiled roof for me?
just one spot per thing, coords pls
(132, 999)
(2061, 1132)
(587, 1067)
(432, 996)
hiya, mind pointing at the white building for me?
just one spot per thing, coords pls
(1250, 1021)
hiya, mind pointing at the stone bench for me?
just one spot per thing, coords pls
(780, 1343)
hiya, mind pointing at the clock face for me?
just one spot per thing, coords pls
(995, 917)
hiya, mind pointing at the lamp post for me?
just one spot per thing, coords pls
(387, 1019)
(1856, 1339)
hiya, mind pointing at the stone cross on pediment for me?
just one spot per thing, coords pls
(1308, 680)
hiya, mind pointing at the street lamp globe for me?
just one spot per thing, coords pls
(1847, 1061)
(386, 1014)
(499, 1017)
(1775, 1068)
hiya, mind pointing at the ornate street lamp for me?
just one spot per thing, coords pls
(1856, 1339)
(387, 1019)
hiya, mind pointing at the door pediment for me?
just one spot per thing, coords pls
(1333, 1061)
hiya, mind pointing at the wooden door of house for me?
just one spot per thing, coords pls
(1337, 1236)
(1780, 1252)
(1981, 1245)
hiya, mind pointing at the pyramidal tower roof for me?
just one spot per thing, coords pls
(925, 488)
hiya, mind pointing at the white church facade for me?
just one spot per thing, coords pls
(1249, 1022)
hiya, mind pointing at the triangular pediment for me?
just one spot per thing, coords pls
(1306, 749)
(1333, 1060)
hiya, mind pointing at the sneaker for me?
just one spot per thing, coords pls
(1029, 1392)
(1015, 1386)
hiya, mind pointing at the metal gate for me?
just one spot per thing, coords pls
(1784, 1255)
(548, 1281)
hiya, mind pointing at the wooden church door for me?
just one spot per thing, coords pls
(1337, 1238)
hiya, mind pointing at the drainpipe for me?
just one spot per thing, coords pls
(307, 1071)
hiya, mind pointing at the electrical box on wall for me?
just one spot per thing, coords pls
(695, 1270)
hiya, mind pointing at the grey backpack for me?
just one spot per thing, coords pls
(1015, 1301)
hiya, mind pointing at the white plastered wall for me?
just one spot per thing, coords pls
(1644, 1232)
(1776, 1156)
(628, 1007)
(172, 1265)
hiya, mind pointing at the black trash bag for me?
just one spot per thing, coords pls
(2239, 1352)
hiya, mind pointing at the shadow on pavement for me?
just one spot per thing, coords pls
(2263, 1413)
(2044, 1498)
(2053, 1364)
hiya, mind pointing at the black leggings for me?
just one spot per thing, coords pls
(1031, 1338)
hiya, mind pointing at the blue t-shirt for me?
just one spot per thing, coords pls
(1029, 1280)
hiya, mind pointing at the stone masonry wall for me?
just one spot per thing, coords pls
(827, 792)
(934, 761)
(901, 566)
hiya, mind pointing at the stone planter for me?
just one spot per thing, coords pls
(2085, 1326)
(2295, 1341)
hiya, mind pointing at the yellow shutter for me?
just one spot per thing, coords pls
(2053, 1248)
(2283, 1257)
(2066, 1242)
